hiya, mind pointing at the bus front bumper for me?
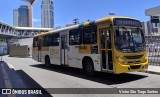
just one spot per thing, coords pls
(123, 68)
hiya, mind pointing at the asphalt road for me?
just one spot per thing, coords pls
(37, 75)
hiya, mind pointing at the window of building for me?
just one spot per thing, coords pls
(75, 37)
(51, 7)
(52, 2)
(89, 35)
(55, 39)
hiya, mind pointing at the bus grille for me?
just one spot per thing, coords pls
(134, 57)
(135, 67)
(134, 62)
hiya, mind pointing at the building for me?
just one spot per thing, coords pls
(47, 15)
(30, 1)
(30, 15)
(154, 14)
(15, 17)
(22, 16)
(151, 28)
(145, 27)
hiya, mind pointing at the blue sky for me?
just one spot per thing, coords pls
(66, 10)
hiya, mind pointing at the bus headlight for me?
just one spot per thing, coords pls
(121, 60)
(145, 59)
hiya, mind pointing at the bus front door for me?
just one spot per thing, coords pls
(106, 50)
(64, 51)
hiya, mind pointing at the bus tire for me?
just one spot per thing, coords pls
(88, 67)
(47, 61)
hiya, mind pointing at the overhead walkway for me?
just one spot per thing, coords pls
(7, 31)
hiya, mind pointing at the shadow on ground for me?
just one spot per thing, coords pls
(105, 78)
(32, 84)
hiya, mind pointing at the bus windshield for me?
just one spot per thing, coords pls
(129, 39)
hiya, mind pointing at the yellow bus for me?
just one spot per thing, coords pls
(111, 44)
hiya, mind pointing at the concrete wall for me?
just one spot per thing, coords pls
(27, 41)
(18, 51)
(24, 41)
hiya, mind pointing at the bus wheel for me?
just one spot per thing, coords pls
(47, 61)
(88, 67)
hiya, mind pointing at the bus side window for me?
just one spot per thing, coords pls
(90, 35)
(55, 39)
(46, 41)
(75, 37)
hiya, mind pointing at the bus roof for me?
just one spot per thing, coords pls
(83, 24)
(42, 34)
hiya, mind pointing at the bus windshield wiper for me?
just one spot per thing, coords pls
(124, 28)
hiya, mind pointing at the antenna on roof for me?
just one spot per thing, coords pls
(111, 14)
(75, 21)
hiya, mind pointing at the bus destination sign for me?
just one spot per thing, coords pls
(127, 22)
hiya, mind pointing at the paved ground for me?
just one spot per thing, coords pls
(36, 75)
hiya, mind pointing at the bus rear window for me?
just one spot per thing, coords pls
(55, 39)
(35, 42)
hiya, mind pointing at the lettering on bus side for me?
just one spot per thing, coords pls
(54, 51)
(82, 47)
(85, 49)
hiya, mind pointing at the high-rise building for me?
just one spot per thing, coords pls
(22, 16)
(30, 15)
(47, 15)
(15, 17)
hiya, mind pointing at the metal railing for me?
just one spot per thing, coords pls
(153, 49)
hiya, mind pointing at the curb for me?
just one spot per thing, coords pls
(152, 72)
(15, 79)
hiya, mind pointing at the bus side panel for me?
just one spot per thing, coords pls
(35, 55)
(55, 55)
(43, 55)
(95, 58)
(74, 58)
